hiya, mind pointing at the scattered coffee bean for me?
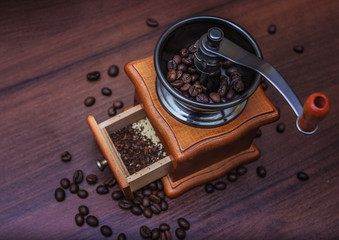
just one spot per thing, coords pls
(147, 192)
(106, 91)
(65, 183)
(280, 128)
(166, 235)
(155, 234)
(92, 179)
(83, 210)
(79, 219)
(74, 188)
(59, 194)
(160, 186)
(66, 156)
(137, 200)
(146, 202)
(180, 233)
(164, 205)
(148, 213)
(232, 177)
(155, 208)
(92, 221)
(220, 185)
(136, 210)
(302, 176)
(258, 134)
(122, 236)
(154, 198)
(93, 76)
(78, 176)
(272, 29)
(183, 223)
(161, 194)
(89, 101)
(151, 22)
(164, 227)
(111, 182)
(111, 111)
(117, 195)
(106, 231)
(298, 49)
(261, 171)
(82, 193)
(145, 232)
(241, 170)
(118, 104)
(102, 189)
(113, 70)
(125, 204)
(209, 188)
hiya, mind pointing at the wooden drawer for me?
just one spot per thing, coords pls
(128, 182)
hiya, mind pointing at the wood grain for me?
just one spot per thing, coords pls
(48, 47)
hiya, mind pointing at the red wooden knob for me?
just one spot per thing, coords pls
(316, 107)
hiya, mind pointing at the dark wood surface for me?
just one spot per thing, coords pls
(48, 47)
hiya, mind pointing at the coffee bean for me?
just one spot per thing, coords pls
(117, 195)
(222, 91)
(298, 49)
(111, 111)
(230, 94)
(118, 104)
(65, 183)
(79, 219)
(160, 185)
(194, 90)
(125, 204)
(179, 74)
(153, 186)
(146, 202)
(264, 85)
(83, 210)
(184, 53)
(166, 235)
(238, 85)
(187, 62)
(202, 98)
(102, 189)
(220, 185)
(227, 64)
(261, 172)
(146, 192)
(151, 22)
(145, 232)
(111, 182)
(161, 194)
(186, 78)
(148, 213)
(136, 210)
(215, 97)
(241, 170)
(122, 236)
(164, 227)
(258, 134)
(92, 221)
(66, 156)
(192, 49)
(154, 198)
(155, 208)
(74, 188)
(180, 233)
(209, 188)
(89, 101)
(113, 71)
(106, 91)
(164, 205)
(183, 223)
(192, 70)
(78, 176)
(195, 77)
(302, 176)
(182, 67)
(59, 194)
(232, 177)
(172, 75)
(137, 200)
(177, 59)
(82, 193)
(172, 65)
(280, 128)
(231, 70)
(93, 76)
(106, 231)
(91, 179)
(272, 29)
(155, 234)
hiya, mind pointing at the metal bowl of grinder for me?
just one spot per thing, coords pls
(182, 35)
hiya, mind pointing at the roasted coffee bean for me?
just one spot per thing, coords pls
(177, 59)
(102, 189)
(92, 221)
(89, 101)
(222, 91)
(106, 231)
(180, 233)
(59, 194)
(151, 22)
(179, 74)
(272, 29)
(91, 179)
(223, 100)
(117, 195)
(298, 49)
(258, 134)
(93, 76)
(184, 53)
(66, 156)
(227, 64)
(185, 87)
(106, 91)
(145, 232)
(153, 186)
(261, 172)
(164, 227)
(164, 205)
(241, 170)
(302, 176)
(232, 177)
(177, 83)
(238, 85)
(194, 77)
(161, 194)
(172, 65)
(209, 188)
(111, 182)
(187, 62)
(82, 193)
(122, 236)
(155, 208)
(280, 128)
(155, 234)
(166, 235)
(113, 71)
(136, 210)
(172, 75)
(146, 192)
(74, 188)
(118, 104)
(182, 67)
(137, 200)
(160, 185)
(148, 213)
(202, 98)
(215, 97)
(154, 198)
(192, 70)
(83, 210)
(186, 78)
(264, 85)
(192, 49)
(183, 223)
(230, 94)
(146, 202)
(220, 185)
(125, 204)
(65, 183)
(111, 111)
(194, 90)
(79, 219)
(231, 70)
(78, 176)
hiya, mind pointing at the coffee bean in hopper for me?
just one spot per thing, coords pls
(79, 219)
(106, 91)
(66, 156)
(59, 194)
(92, 221)
(89, 101)
(261, 172)
(151, 22)
(78, 176)
(113, 71)
(91, 179)
(83, 210)
(106, 231)
(302, 176)
(65, 183)
(145, 232)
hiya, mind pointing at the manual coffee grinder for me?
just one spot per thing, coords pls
(203, 140)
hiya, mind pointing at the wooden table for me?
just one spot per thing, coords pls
(48, 47)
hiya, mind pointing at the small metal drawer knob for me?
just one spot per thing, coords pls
(102, 164)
